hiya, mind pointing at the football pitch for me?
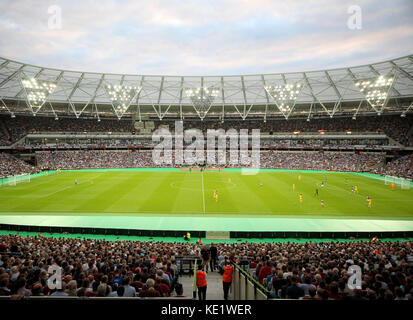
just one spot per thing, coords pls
(184, 193)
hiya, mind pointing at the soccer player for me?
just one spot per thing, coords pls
(216, 196)
(215, 193)
(301, 198)
(229, 180)
(356, 189)
(76, 181)
(369, 203)
(392, 186)
(352, 189)
(322, 184)
(316, 192)
(322, 203)
(261, 184)
(299, 177)
(293, 186)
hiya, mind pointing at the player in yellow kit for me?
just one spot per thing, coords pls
(301, 198)
(356, 189)
(216, 196)
(293, 186)
(215, 193)
(229, 180)
(368, 201)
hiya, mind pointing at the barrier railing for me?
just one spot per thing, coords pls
(245, 287)
(194, 282)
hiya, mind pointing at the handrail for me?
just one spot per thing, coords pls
(256, 284)
(194, 283)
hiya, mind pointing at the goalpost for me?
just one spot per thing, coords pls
(13, 180)
(401, 182)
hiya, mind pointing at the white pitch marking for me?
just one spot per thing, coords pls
(203, 193)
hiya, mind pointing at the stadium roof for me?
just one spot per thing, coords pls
(383, 87)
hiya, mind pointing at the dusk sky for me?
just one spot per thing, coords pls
(181, 37)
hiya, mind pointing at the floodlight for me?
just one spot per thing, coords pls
(202, 99)
(37, 92)
(284, 96)
(121, 97)
(376, 90)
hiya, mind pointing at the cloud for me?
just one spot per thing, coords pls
(186, 37)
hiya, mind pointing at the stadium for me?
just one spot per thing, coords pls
(299, 168)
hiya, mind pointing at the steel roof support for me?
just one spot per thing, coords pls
(358, 109)
(314, 96)
(223, 98)
(159, 113)
(37, 74)
(12, 75)
(408, 108)
(5, 105)
(92, 99)
(266, 96)
(4, 64)
(333, 85)
(138, 106)
(180, 98)
(406, 74)
(73, 91)
(339, 96)
(245, 98)
(378, 74)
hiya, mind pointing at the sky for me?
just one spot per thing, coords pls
(191, 37)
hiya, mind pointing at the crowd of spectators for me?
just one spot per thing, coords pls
(10, 166)
(147, 143)
(392, 125)
(337, 161)
(320, 271)
(281, 160)
(311, 270)
(401, 167)
(19, 126)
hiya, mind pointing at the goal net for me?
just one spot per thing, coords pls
(400, 182)
(13, 180)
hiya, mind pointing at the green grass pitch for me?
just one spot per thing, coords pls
(183, 193)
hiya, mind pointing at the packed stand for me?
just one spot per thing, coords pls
(394, 126)
(401, 167)
(308, 271)
(10, 166)
(143, 159)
